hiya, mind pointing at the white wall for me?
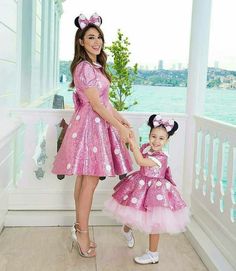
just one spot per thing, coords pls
(7, 173)
(28, 71)
(28, 51)
(8, 57)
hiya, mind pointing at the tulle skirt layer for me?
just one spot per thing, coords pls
(156, 220)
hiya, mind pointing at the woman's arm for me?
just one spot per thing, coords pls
(93, 97)
(140, 160)
(119, 117)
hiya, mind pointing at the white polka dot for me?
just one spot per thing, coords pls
(116, 151)
(168, 185)
(74, 135)
(159, 197)
(68, 166)
(69, 125)
(108, 167)
(125, 197)
(95, 149)
(77, 117)
(97, 120)
(156, 170)
(141, 182)
(149, 183)
(134, 200)
(158, 183)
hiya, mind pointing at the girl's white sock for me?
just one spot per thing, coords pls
(153, 253)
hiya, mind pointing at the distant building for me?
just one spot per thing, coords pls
(216, 64)
(180, 66)
(160, 65)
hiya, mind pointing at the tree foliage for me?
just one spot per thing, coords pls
(122, 75)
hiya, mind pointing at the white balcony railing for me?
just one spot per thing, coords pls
(35, 193)
(37, 189)
(213, 199)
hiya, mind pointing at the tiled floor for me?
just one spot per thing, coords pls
(49, 249)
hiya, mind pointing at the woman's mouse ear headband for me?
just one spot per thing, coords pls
(81, 21)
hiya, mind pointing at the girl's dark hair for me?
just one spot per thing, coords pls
(80, 54)
(170, 133)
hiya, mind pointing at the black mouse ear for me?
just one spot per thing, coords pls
(76, 22)
(100, 18)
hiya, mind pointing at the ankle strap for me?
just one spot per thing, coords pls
(81, 231)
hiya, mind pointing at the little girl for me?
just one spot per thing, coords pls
(148, 199)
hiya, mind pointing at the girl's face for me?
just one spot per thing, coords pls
(92, 43)
(158, 138)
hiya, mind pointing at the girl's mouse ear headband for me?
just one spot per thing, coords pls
(81, 21)
(168, 124)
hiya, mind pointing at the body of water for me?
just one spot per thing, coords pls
(220, 104)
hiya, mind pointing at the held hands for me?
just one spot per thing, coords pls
(132, 139)
(125, 123)
(124, 133)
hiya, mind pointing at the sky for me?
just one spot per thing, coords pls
(157, 30)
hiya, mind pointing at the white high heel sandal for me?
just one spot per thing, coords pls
(73, 234)
(89, 253)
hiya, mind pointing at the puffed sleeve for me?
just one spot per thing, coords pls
(85, 76)
(145, 148)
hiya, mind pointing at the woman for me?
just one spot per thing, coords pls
(94, 142)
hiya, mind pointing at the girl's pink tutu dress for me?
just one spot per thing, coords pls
(148, 199)
(91, 146)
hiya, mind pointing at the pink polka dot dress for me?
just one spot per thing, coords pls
(148, 199)
(91, 146)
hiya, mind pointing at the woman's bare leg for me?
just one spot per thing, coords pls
(84, 203)
(76, 196)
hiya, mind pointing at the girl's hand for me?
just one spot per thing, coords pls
(132, 139)
(124, 134)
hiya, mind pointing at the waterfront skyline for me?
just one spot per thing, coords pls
(159, 33)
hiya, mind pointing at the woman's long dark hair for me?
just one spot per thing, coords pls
(80, 53)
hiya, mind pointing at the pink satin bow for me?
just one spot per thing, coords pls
(168, 124)
(94, 19)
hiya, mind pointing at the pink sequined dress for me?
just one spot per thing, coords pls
(148, 199)
(91, 146)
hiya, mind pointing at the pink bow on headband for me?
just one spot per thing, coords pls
(94, 19)
(168, 124)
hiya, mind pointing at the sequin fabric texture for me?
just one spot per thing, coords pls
(148, 199)
(91, 146)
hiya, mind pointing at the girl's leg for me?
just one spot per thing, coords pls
(126, 228)
(83, 207)
(153, 242)
(151, 256)
(128, 234)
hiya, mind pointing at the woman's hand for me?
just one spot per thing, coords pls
(125, 123)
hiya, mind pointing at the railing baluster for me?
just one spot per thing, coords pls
(218, 194)
(202, 175)
(210, 168)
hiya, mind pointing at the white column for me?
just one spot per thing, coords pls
(44, 47)
(55, 65)
(18, 53)
(59, 12)
(51, 45)
(26, 52)
(197, 79)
